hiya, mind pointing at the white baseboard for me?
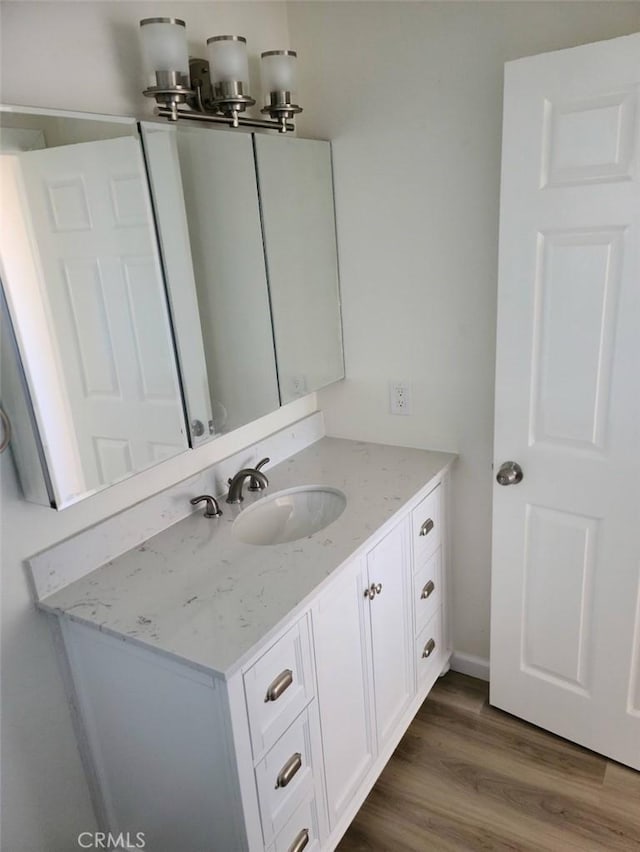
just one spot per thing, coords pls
(471, 665)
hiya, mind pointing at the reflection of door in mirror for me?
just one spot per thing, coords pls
(296, 196)
(83, 282)
(218, 182)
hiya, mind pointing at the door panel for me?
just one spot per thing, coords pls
(566, 540)
(589, 139)
(572, 372)
(558, 588)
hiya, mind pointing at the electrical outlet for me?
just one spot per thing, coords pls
(400, 398)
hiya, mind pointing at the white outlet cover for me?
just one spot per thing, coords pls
(400, 398)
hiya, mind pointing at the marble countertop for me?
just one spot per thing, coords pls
(196, 593)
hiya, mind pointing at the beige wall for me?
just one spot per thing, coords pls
(411, 95)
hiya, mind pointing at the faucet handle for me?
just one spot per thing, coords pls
(255, 484)
(213, 510)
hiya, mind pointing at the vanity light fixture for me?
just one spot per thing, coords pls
(229, 73)
(215, 89)
(166, 61)
(279, 84)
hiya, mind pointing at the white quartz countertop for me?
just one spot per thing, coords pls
(196, 593)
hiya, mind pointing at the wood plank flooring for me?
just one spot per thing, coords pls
(468, 777)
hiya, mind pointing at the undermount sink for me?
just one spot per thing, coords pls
(289, 515)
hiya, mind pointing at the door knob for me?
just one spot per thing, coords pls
(510, 473)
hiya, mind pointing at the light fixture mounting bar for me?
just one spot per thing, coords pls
(192, 115)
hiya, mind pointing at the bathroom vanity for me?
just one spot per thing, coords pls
(231, 696)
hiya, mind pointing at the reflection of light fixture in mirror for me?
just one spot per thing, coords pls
(229, 73)
(279, 84)
(217, 89)
(166, 59)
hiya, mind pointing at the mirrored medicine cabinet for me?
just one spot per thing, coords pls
(161, 285)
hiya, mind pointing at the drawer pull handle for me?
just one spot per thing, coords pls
(429, 648)
(278, 686)
(426, 528)
(289, 770)
(300, 842)
(428, 590)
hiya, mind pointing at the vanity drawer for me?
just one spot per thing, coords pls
(284, 778)
(425, 527)
(429, 650)
(427, 591)
(302, 831)
(278, 686)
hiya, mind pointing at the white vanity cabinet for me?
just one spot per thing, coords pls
(380, 644)
(276, 752)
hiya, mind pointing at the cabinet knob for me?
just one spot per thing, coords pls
(428, 590)
(426, 528)
(301, 840)
(197, 428)
(278, 686)
(373, 590)
(285, 776)
(429, 648)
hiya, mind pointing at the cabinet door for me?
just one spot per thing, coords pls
(343, 665)
(391, 629)
(83, 287)
(222, 254)
(299, 230)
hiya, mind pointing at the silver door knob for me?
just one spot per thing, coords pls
(510, 473)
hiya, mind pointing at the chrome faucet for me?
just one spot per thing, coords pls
(235, 484)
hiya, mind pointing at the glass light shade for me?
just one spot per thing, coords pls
(278, 72)
(164, 47)
(228, 62)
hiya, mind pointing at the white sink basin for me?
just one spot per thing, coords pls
(289, 515)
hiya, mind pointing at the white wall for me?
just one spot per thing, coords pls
(81, 56)
(411, 95)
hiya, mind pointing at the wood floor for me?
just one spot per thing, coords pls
(469, 777)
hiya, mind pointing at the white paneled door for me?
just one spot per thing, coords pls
(565, 623)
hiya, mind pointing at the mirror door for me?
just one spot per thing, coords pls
(220, 250)
(296, 197)
(85, 294)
